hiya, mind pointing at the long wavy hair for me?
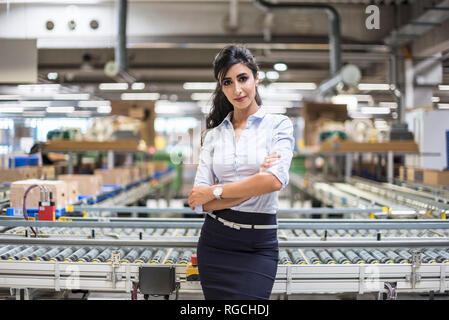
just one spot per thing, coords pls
(224, 60)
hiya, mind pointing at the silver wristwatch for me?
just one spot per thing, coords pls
(217, 191)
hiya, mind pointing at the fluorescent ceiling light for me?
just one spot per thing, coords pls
(274, 109)
(293, 85)
(35, 104)
(9, 97)
(272, 75)
(443, 106)
(261, 75)
(138, 86)
(11, 109)
(34, 114)
(198, 96)
(200, 85)
(358, 115)
(94, 103)
(163, 109)
(286, 104)
(374, 86)
(38, 87)
(350, 101)
(282, 96)
(435, 99)
(364, 97)
(391, 105)
(71, 96)
(104, 109)
(60, 109)
(113, 86)
(81, 113)
(140, 96)
(375, 110)
(280, 67)
(52, 75)
(443, 87)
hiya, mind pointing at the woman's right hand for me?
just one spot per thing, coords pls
(269, 161)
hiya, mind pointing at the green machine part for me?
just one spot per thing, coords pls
(298, 164)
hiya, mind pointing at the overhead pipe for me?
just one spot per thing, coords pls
(334, 26)
(335, 61)
(121, 54)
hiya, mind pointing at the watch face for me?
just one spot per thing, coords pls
(217, 191)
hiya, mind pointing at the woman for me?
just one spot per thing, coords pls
(249, 153)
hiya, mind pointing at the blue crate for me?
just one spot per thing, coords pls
(17, 212)
(23, 161)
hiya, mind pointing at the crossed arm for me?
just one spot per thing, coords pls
(237, 192)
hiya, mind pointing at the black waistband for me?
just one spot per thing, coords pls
(246, 217)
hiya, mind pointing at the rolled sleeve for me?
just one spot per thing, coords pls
(283, 144)
(204, 172)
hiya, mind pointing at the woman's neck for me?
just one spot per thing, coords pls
(241, 116)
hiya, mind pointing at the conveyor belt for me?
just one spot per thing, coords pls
(182, 255)
(361, 193)
(302, 268)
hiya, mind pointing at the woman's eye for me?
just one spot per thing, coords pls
(243, 79)
(226, 83)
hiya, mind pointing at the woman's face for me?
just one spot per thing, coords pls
(239, 86)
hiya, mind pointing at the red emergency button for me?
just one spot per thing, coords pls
(193, 259)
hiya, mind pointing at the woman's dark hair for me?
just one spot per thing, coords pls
(224, 60)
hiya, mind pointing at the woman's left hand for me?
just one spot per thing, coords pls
(200, 195)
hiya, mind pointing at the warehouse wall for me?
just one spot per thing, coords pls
(429, 128)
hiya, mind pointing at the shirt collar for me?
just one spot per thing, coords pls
(260, 113)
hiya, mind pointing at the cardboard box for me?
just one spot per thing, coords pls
(435, 177)
(88, 184)
(402, 173)
(116, 176)
(160, 165)
(72, 191)
(146, 169)
(141, 110)
(135, 173)
(11, 175)
(316, 115)
(18, 189)
(46, 173)
(415, 174)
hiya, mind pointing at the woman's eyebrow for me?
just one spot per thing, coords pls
(239, 75)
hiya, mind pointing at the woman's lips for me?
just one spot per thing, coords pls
(240, 99)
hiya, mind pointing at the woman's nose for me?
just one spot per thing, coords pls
(237, 89)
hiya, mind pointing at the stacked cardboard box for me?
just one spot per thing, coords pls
(435, 177)
(402, 173)
(11, 175)
(88, 184)
(426, 176)
(115, 176)
(134, 173)
(18, 188)
(160, 165)
(415, 174)
(46, 172)
(146, 169)
(72, 191)
(317, 116)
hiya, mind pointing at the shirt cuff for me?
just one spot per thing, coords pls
(199, 209)
(283, 180)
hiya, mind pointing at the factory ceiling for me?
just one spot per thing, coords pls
(171, 42)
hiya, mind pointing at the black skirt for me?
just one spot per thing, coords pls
(237, 264)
